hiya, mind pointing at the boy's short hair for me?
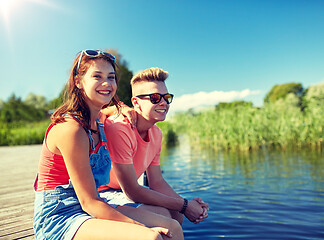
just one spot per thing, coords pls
(150, 74)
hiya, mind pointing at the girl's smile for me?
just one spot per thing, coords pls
(99, 83)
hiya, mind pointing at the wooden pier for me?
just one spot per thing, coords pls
(18, 168)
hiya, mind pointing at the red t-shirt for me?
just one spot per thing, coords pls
(126, 146)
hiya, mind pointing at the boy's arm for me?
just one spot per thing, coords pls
(159, 184)
(126, 176)
(127, 179)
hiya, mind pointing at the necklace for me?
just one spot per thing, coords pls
(94, 131)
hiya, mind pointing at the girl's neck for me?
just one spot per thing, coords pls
(93, 117)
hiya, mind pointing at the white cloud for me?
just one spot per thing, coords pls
(205, 99)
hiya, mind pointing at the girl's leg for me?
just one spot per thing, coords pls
(104, 229)
(151, 219)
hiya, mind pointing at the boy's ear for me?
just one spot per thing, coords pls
(135, 103)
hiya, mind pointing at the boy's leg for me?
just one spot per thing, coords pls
(151, 219)
(177, 216)
(163, 211)
(156, 209)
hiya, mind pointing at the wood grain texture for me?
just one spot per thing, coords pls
(18, 168)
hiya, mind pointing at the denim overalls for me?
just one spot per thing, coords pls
(58, 213)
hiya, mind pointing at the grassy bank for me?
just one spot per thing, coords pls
(247, 128)
(22, 133)
(281, 125)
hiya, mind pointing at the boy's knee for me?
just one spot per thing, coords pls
(177, 216)
(165, 212)
(175, 225)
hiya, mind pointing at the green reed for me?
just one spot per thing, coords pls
(170, 138)
(22, 133)
(243, 128)
(248, 128)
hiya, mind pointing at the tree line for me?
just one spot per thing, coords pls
(36, 108)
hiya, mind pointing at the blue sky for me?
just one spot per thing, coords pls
(214, 50)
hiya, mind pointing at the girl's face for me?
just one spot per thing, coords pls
(98, 84)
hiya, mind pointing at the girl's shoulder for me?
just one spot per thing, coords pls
(69, 125)
(64, 134)
(67, 130)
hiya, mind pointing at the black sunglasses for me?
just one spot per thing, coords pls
(94, 53)
(155, 98)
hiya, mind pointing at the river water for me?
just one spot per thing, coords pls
(259, 195)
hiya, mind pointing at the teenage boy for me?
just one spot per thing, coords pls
(135, 150)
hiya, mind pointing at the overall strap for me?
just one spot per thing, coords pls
(101, 131)
(92, 143)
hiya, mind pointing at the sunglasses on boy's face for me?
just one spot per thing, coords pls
(94, 53)
(155, 98)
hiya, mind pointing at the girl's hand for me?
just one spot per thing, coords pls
(163, 231)
(130, 114)
(126, 111)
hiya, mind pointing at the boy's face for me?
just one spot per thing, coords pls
(149, 111)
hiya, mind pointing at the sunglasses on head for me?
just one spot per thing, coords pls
(155, 98)
(94, 53)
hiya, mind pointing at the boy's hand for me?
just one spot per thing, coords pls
(202, 203)
(193, 211)
(205, 208)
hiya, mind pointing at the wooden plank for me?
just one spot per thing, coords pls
(18, 228)
(24, 234)
(18, 168)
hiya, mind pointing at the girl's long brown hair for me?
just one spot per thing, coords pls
(75, 103)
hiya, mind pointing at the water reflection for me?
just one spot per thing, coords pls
(259, 195)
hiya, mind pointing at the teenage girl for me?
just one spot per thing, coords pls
(75, 162)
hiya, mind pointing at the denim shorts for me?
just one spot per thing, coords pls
(116, 197)
(58, 214)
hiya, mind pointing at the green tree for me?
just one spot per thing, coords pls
(234, 104)
(56, 102)
(314, 97)
(37, 101)
(281, 91)
(16, 110)
(124, 91)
